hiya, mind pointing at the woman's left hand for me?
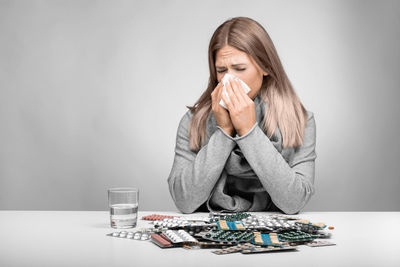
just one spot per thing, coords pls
(240, 106)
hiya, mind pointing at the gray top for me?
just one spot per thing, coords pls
(242, 173)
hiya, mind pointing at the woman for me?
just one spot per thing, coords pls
(257, 155)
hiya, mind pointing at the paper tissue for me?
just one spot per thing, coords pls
(225, 80)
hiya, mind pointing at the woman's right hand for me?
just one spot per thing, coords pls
(220, 113)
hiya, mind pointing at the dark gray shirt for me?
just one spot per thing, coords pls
(242, 173)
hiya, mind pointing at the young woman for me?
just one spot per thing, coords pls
(257, 155)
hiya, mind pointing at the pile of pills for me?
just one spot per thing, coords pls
(234, 232)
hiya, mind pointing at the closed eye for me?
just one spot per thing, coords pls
(221, 71)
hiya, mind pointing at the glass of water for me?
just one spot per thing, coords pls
(123, 203)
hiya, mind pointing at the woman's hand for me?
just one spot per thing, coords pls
(240, 106)
(220, 113)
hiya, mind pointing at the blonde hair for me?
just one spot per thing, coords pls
(284, 107)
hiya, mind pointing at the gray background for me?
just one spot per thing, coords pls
(91, 94)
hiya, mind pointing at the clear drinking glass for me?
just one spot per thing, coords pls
(123, 203)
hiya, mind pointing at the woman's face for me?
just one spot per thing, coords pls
(240, 64)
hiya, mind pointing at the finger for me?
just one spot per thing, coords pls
(231, 94)
(228, 102)
(220, 89)
(219, 97)
(244, 95)
(215, 92)
(238, 89)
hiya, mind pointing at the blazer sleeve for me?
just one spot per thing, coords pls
(290, 184)
(194, 174)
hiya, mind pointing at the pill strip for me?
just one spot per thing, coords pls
(227, 236)
(308, 223)
(267, 223)
(271, 239)
(320, 243)
(258, 249)
(157, 217)
(225, 225)
(138, 235)
(296, 236)
(179, 223)
(233, 249)
(179, 236)
(161, 241)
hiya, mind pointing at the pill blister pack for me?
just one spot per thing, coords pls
(258, 249)
(161, 240)
(267, 223)
(284, 217)
(296, 236)
(173, 238)
(320, 243)
(309, 227)
(248, 248)
(138, 235)
(226, 225)
(227, 236)
(198, 218)
(230, 217)
(270, 239)
(321, 234)
(179, 236)
(233, 249)
(179, 223)
(157, 217)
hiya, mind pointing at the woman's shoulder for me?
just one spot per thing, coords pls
(187, 117)
(310, 115)
(184, 122)
(310, 130)
(310, 119)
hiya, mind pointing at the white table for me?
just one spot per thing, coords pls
(78, 238)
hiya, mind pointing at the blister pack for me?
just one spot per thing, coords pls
(137, 235)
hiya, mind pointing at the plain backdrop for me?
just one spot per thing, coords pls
(91, 94)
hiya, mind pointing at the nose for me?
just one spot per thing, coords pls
(230, 72)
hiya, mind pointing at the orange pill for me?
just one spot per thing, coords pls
(331, 227)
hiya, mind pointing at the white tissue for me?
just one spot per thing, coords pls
(225, 80)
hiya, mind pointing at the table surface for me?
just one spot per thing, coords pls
(78, 238)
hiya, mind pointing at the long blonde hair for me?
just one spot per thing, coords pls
(284, 107)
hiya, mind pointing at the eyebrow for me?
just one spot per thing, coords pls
(233, 65)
